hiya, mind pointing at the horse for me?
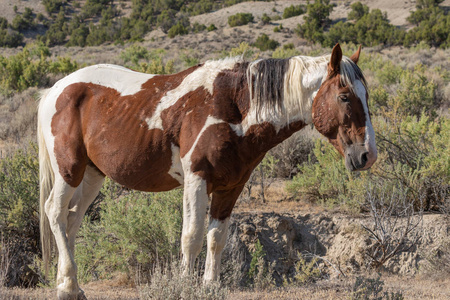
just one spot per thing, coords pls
(204, 129)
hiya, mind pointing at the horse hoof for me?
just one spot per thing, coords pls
(62, 295)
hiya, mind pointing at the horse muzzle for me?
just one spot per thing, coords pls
(359, 158)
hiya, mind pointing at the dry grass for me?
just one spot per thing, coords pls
(340, 288)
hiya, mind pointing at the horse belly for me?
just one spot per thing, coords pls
(148, 172)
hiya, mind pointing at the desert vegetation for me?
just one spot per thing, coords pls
(277, 247)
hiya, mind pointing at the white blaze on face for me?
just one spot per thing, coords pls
(369, 139)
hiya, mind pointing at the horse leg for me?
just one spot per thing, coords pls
(83, 197)
(221, 206)
(57, 210)
(195, 202)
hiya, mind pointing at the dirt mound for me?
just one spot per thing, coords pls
(339, 240)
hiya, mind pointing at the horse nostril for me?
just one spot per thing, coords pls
(364, 158)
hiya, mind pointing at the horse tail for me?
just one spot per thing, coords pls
(46, 181)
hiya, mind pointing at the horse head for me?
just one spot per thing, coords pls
(340, 111)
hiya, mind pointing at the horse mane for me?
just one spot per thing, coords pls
(276, 85)
(281, 85)
(350, 72)
(266, 83)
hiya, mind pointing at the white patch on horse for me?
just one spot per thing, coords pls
(125, 81)
(176, 170)
(369, 136)
(202, 77)
(216, 240)
(195, 202)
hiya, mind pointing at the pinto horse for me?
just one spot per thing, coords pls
(205, 128)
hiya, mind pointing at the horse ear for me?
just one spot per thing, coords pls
(335, 60)
(355, 56)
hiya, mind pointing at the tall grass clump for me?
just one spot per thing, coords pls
(170, 282)
(133, 231)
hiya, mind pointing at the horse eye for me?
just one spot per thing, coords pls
(343, 98)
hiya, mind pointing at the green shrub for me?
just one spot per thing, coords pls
(211, 27)
(201, 7)
(358, 11)
(306, 272)
(31, 67)
(240, 19)
(432, 26)
(263, 43)
(52, 6)
(285, 52)
(10, 38)
(189, 59)
(417, 94)
(244, 49)
(135, 230)
(134, 54)
(370, 29)
(311, 31)
(315, 21)
(196, 27)
(63, 65)
(372, 288)
(153, 60)
(259, 272)
(293, 10)
(56, 33)
(19, 186)
(94, 7)
(24, 21)
(19, 217)
(78, 36)
(177, 29)
(166, 20)
(325, 181)
(265, 19)
(257, 254)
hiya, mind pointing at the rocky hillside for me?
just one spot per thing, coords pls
(339, 241)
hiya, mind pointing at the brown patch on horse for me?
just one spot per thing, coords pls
(100, 118)
(226, 160)
(70, 151)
